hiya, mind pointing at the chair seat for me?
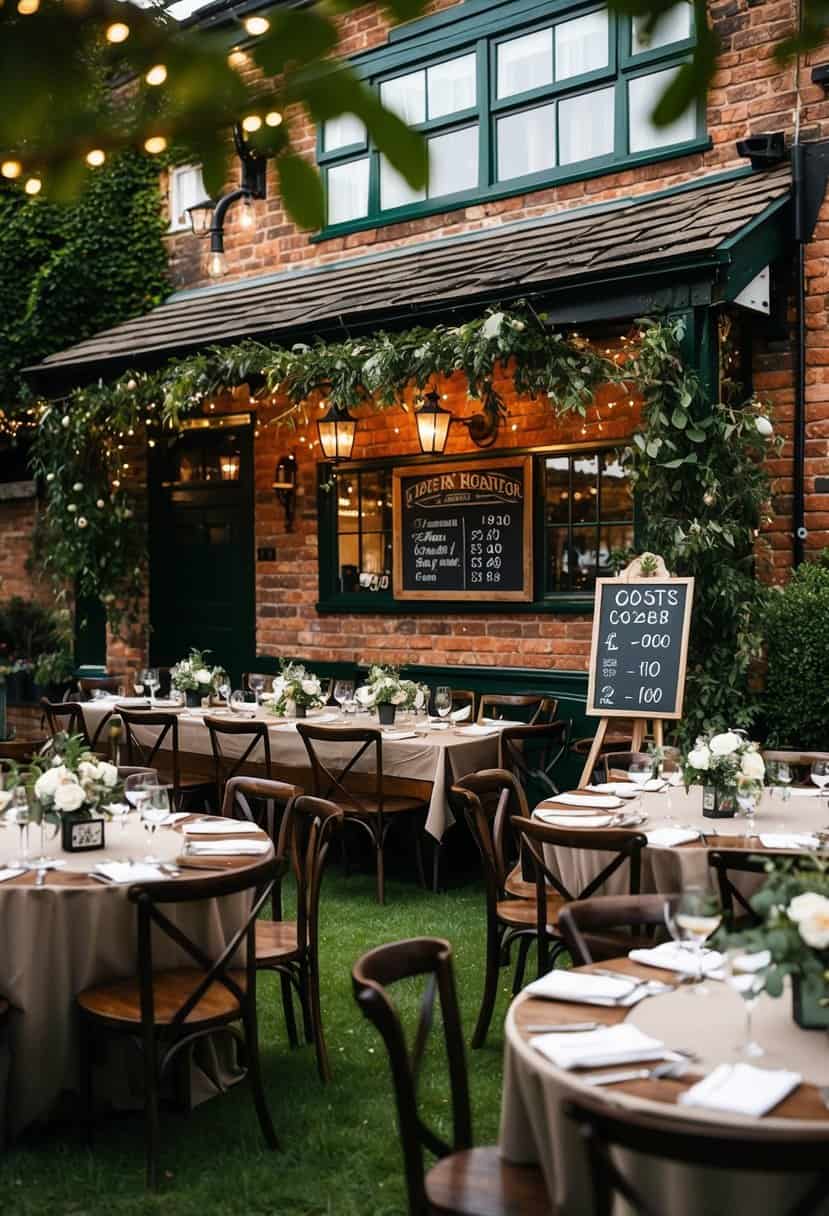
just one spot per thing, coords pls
(276, 941)
(120, 1002)
(186, 780)
(608, 945)
(518, 886)
(522, 911)
(394, 805)
(478, 1182)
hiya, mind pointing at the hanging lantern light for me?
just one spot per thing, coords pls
(433, 423)
(201, 217)
(337, 431)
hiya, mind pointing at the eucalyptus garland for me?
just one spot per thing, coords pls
(698, 468)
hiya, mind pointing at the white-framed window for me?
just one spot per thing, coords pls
(185, 190)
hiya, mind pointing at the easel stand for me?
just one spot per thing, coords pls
(639, 735)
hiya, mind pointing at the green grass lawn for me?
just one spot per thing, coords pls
(340, 1152)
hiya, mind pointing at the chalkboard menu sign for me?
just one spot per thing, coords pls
(463, 530)
(640, 644)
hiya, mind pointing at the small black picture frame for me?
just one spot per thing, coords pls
(80, 834)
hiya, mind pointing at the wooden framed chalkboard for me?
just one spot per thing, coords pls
(640, 647)
(463, 530)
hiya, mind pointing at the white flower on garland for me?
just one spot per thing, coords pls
(491, 327)
(725, 744)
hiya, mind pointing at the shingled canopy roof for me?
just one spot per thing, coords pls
(692, 245)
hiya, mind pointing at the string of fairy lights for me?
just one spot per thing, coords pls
(116, 33)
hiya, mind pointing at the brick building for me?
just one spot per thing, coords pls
(549, 182)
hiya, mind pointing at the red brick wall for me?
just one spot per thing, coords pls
(17, 521)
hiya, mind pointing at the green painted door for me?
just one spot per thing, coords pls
(201, 547)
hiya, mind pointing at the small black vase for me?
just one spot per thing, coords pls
(386, 714)
(193, 698)
(718, 804)
(301, 711)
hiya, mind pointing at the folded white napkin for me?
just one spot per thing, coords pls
(603, 802)
(135, 702)
(499, 722)
(221, 827)
(174, 817)
(227, 848)
(742, 1089)
(399, 734)
(582, 986)
(123, 872)
(788, 840)
(622, 1044)
(654, 785)
(478, 730)
(800, 791)
(324, 719)
(671, 956)
(621, 789)
(462, 714)
(10, 872)
(668, 838)
(560, 819)
(438, 724)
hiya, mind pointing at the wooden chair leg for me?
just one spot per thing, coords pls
(255, 1078)
(152, 1130)
(381, 863)
(320, 1047)
(305, 1002)
(288, 1009)
(437, 857)
(493, 967)
(523, 951)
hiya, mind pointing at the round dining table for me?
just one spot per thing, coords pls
(535, 1129)
(64, 930)
(784, 824)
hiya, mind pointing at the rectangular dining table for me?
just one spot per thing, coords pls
(436, 758)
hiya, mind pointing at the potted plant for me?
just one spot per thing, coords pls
(724, 764)
(294, 692)
(194, 676)
(794, 906)
(69, 786)
(387, 692)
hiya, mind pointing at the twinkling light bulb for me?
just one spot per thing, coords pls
(247, 216)
(119, 31)
(156, 75)
(251, 123)
(95, 158)
(33, 186)
(155, 145)
(256, 26)
(273, 118)
(11, 169)
(27, 7)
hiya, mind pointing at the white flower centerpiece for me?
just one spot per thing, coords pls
(295, 691)
(68, 783)
(385, 691)
(195, 677)
(725, 765)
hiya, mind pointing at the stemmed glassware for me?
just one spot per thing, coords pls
(443, 701)
(820, 774)
(343, 691)
(223, 688)
(237, 700)
(139, 682)
(19, 812)
(747, 802)
(256, 683)
(691, 919)
(745, 973)
(137, 789)
(152, 683)
(780, 774)
(155, 811)
(640, 771)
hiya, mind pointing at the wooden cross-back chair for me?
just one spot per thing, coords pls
(221, 730)
(361, 794)
(465, 1181)
(533, 754)
(489, 801)
(67, 717)
(603, 1130)
(19, 751)
(590, 927)
(159, 728)
(626, 848)
(531, 707)
(172, 1010)
(87, 685)
(736, 908)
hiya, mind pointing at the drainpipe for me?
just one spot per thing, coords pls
(801, 235)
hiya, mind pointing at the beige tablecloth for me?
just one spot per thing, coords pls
(533, 1128)
(439, 757)
(68, 935)
(672, 869)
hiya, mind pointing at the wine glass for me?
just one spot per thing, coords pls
(747, 802)
(820, 774)
(223, 689)
(780, 774)
(343, 691)
(152, 683)
(443, 701)
(19, 812)
(640, 770)
(155, 810)
(696, 917)
(136, 788)
(256, 683)
(745, 974)
(237, 700)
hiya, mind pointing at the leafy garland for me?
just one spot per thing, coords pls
(699, 468)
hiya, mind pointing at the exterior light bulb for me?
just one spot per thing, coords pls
(27, 7)
(247, 218)
(33, 186)
(156, 75)
(155, 145)
(237, 59)
(273, 118)
(256, 26)
(119, 31)
(251, 123)
(216, 264)
(11, 169)
(95, 158)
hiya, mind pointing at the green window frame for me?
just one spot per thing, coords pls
(482, 34)
(344, 539)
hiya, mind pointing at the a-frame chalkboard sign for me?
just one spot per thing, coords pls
(639, 651)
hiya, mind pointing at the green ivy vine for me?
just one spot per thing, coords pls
(698, 468)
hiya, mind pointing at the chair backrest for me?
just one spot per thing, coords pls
(800, 761)
(330, 776)
(132, 770)
(64, 717)
(626, 847)
(304, 840)
(89, 684)
(432, 957)
(150, 897)
(489, 800)
(157, 727)
(244, 797)
(602, 1129)
(229, 765)
(586, 918)
(724, 863)
(533, 754)
(525, 707)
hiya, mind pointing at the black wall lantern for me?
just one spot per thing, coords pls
(433, 423)
(208, 219)
(284, 485)
(337, 431)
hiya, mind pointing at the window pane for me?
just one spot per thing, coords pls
(527, 142)
(452, 86)
(186, 189)
(558, 489)
(525, 63)
(376, 547)
(395, 191)
(406, 96)
(348, 191)
(348, 508)
(583, 573)
(613, 541)
(673, 26)
(349, 563)
(453, 161)
(643, 94)
(344, 130)
(581, 45)
(585, 126)
(558, 578)
(375, 505)
(585, 489)
(617, 492)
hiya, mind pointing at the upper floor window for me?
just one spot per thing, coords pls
(186, 188)
(572, 96)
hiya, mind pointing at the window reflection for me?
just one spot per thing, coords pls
(589, 519)
(364, 525)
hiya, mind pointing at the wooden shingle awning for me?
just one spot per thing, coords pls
(695, 244)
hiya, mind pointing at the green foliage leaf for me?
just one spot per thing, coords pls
(301, 190)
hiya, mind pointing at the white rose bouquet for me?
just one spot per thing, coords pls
(66, 777)
(726, 762)
(294, 691)
(195, 674)
(385, 687)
